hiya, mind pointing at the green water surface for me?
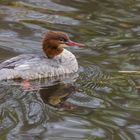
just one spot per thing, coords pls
(102, 101)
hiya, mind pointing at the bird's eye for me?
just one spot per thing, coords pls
(62, 39)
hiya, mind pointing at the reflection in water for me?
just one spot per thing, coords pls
(57, 95)
(100, 103)
(23, 110)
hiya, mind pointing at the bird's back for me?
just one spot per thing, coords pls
(33, 66)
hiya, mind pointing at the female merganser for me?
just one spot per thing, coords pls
(56, 61)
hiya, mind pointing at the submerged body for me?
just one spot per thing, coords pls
(32, 66)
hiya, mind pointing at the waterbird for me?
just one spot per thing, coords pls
(55, 61)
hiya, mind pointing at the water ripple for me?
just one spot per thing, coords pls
(103, 101)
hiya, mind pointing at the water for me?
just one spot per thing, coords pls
(102, 101)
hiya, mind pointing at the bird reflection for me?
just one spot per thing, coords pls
(57, 95)
(54, 92)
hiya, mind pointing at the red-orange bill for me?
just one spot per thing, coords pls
(72, 43)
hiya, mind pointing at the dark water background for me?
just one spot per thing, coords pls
(99, 104)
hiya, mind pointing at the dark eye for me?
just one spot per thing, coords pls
(62, 39)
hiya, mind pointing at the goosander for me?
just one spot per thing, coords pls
(55, 61)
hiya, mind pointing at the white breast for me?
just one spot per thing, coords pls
(31, 66)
